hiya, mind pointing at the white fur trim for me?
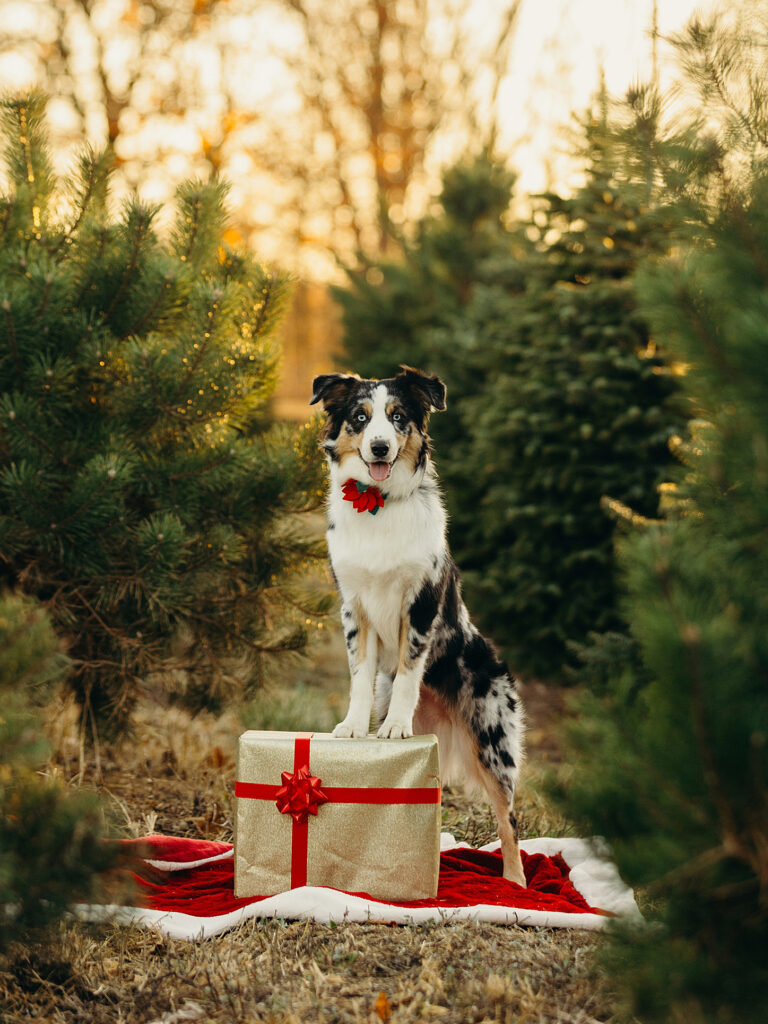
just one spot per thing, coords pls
(595, 877)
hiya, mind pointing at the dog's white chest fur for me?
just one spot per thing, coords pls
(381, 561)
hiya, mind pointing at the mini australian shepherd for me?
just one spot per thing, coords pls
(411, 645)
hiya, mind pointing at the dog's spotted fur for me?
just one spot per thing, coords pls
(412, 648)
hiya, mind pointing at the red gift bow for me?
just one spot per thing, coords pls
(364, 499)
(332, 794)
(300, 795)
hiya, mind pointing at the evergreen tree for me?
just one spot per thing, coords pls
(578, 406)
(672, 766)
(145, 494)
(51, 848)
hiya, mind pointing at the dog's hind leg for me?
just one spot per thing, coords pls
(497, 724)
(362, 648)
(501, 797)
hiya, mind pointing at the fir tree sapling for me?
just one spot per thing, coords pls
(147, 498)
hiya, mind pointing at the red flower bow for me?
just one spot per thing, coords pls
(365, 499)
(300, 795)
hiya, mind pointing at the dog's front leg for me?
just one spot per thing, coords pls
(362, 648)
(406, 685)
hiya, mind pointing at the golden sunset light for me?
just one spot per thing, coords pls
(194, 86)
(384, 511)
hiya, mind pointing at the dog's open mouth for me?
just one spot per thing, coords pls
(379, 470)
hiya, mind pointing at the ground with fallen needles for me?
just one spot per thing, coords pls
(176, 777)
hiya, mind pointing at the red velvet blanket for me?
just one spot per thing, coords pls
(195, 877)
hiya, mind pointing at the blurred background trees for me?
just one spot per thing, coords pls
(377, 81)
(393, 310)
(577, 407)
(322, 114)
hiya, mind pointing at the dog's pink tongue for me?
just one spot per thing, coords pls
(380, 470)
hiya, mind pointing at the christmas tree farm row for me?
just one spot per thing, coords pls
(621, 326)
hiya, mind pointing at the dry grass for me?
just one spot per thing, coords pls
(176, 778)
(289, 972)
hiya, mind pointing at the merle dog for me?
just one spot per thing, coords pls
(412, 647)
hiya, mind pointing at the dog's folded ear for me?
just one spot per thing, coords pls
(431, 389)
(332, 389)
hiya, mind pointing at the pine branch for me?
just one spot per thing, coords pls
(691, 638)
(276, 646)
(193, 231)
(207, 336)
(77, 593)
(690, 635)
(96, 259)
(86, 504)
(672, 880)
(6, 216)
(140, 232)
(27, 155)
(199, 470)
(700, 327)
(12, 341)
(33, 670)
(46, 293)
(95, 166)
(57, 456)
(749, 124)
(270, 297)
(624, 514)
(139, 327)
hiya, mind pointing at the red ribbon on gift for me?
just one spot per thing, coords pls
(300, 795)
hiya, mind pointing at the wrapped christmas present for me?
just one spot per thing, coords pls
(360, 815)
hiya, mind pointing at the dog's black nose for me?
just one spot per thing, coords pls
(379, 449)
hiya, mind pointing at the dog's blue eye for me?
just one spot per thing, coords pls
(396, 418)
(361, 417)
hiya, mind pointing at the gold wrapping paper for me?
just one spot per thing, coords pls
(391, 851)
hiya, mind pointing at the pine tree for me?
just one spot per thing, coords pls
(578, 406)
(51, 847)
(672, 766)
(146, 497)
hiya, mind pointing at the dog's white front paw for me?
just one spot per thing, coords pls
(392, 730)
(350, 728)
